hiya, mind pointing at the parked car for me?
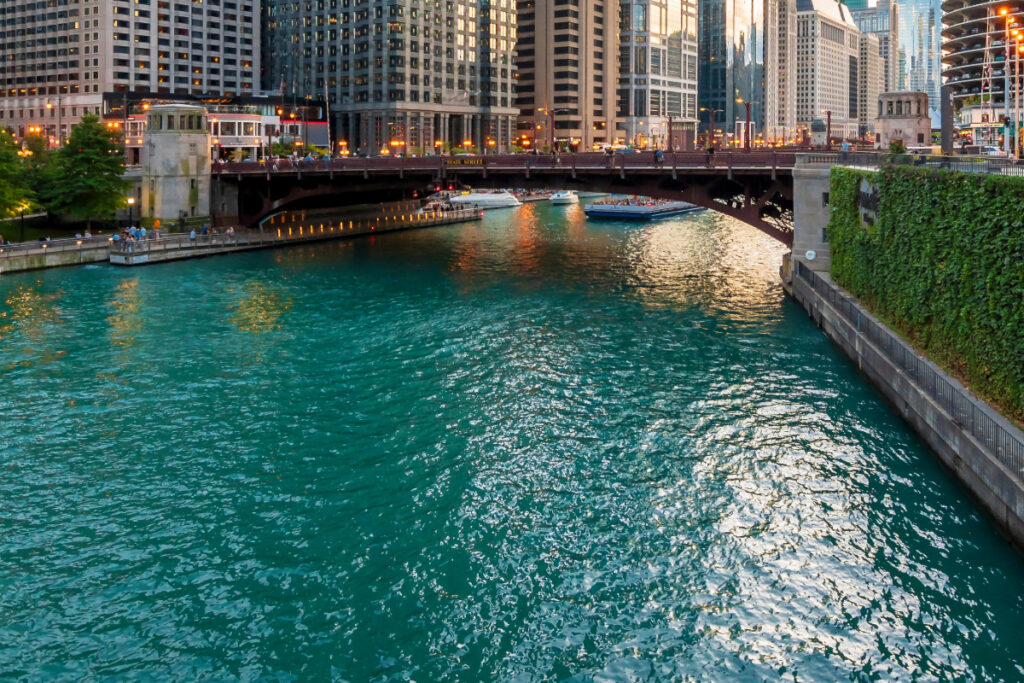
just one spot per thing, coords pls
(992, 151)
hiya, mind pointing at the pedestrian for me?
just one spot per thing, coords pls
(711, 154)
(116, 238)
(204, 228)
(87, 235)
(659, 158)
(192, 236)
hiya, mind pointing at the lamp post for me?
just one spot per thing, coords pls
(1007, 22)
(49, 105)
(746, 130)
(711, 132)
(551, 122)
(131, 211)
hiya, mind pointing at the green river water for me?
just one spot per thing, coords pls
(532, 448)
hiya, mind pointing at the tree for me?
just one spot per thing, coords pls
(15, 195)
(87, 173)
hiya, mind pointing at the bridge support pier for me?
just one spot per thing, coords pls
(811, 214)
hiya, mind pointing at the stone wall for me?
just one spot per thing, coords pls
(992, 469)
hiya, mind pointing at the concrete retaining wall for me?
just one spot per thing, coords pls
(37, 260)
(989, 476)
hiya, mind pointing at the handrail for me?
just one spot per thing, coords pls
(53, 246)
(286, 234)
(1005, 442)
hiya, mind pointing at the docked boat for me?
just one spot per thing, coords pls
(484, 199)
(564, 197)
(639, 209)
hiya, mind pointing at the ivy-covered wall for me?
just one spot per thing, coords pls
(942, 261)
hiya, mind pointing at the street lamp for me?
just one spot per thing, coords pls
(551, 122)
(1008, 21)
(131, 211)
(712, 123)
(49, 105)
(746, 130)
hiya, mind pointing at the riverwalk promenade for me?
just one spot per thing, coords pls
(280, 230)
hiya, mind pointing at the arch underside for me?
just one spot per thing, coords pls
(760, 198)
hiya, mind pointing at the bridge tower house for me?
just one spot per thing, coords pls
(175, 164)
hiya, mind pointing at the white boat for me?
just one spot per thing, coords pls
(483, 199)
(564, 197)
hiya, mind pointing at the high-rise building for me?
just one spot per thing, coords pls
(732, 65)
(57, 59)
(975, 57)
(400, 75)
(657, 72)
(870, 83)
(882, 20)
(567, 73)
(828, 51)
(920, 40)
(780, 70)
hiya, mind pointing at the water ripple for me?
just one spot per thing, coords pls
(532, 448)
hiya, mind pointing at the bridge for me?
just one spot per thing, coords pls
(754, 187)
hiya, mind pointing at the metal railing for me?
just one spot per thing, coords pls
(517, 162)
(965, 164)
(8, 251)
(1005, 442)
(287, 233)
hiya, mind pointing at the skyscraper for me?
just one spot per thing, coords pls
(882, 20)
(870, 83)
(920, 40)
(59, 58)
(658, 71)
(780, 70)
(567, 72)
(403, 75)
(828, 51)
(732, 63)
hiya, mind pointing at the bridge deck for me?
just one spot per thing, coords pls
(519, 163)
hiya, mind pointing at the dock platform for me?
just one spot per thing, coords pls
(180, 247)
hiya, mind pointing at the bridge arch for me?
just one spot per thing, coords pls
(748, 189)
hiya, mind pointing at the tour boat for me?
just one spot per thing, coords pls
(482, 199)
(564, 197)
(639, 209)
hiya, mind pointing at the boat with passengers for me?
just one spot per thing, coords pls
(639, 208)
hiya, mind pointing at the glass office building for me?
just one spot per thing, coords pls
(658, 72)
(732, 65)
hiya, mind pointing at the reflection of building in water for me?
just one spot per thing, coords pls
(260, 309)
(30, 312)
(126, 320)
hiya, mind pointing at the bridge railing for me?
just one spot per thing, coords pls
(581, 161)
(1005, 442)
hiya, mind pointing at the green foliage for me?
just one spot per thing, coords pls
(897, 147)
(280, 149)
(86, 180)
(944, 264)
(15, 194)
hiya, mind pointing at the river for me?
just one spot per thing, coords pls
(532, 448)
